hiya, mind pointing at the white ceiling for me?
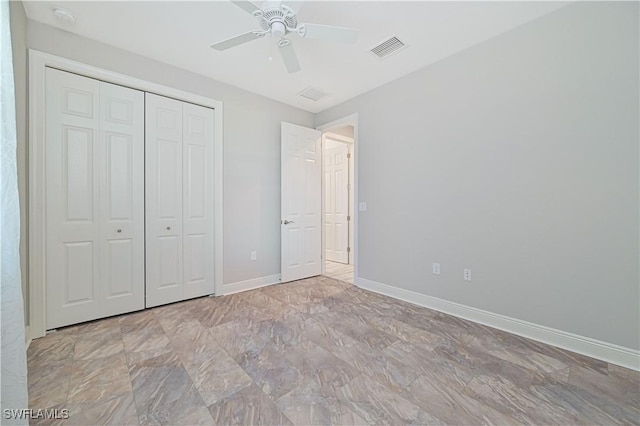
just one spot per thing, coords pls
(180, 33)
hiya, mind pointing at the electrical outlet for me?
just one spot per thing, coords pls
(467, 274)
(435, 268)
(254, 255)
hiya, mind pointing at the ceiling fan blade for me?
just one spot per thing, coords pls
(289, 56)
(237, 40)
(329, 33)
(246, 5)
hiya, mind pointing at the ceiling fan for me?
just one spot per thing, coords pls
(279, 20)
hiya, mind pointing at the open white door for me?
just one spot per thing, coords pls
(301, 175)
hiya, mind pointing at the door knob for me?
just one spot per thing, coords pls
(118, 230)
(168, 228)
(286, 222)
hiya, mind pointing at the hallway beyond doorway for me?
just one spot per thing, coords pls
(339, 271)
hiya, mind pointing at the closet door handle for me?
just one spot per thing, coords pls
(168, 228)
(118, 230)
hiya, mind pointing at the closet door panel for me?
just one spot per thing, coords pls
(198, 200)
(72, 199)
(164, 200)
(122, 199)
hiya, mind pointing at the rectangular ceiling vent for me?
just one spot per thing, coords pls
(313, 93)
(387, 47)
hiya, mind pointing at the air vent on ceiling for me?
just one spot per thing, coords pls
(387, 47)
(313, 93)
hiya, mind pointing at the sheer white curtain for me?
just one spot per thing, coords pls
(14, 364)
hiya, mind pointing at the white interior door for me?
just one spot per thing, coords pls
(336, 203)
(301, 176)
(93, 188)
(197, 209)
(163, 195)
(122, 199)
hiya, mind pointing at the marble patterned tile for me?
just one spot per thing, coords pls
(317, 351)
(149, 356)
(90, 349)
(606, 384)
(270, 370)
(50, 349)
(377, 404)
(217, 377)
(144, 320)
(445, 400)
(145, 340)
(406, 332)
(525, 357)
(237, 337)
(104, 329)
(321, 366)
(115, 411)
(48, 385)
(277, 333)
(507, 398)
(99, 379)
(248, 406)
(271, 307)
(625, 374)
(357, 328)
(309, 405)
(165, 394)
(220, 310)
(580, 405)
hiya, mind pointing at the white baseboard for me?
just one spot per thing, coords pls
(250, 284)
(614, 354)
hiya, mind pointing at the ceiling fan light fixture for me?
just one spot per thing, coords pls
(278, 29)
(279, 20)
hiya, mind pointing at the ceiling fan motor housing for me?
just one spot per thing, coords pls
(277, 21)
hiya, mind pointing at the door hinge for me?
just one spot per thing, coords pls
(348, 218)
(349, 187)
(348, 249)
(348, 155)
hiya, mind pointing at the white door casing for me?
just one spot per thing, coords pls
(301, 213)
(93, 188)
(336, 203)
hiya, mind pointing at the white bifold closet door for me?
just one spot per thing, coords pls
(94, 199)
(179, 200)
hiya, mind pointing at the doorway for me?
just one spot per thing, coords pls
(338, 196)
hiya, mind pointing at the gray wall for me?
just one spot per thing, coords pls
(251, 146)
(19, 51)
(517, 158)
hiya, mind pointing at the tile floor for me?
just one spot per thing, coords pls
(317, 351)
(339, 271)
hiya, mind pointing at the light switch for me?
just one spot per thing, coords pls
(363, 206)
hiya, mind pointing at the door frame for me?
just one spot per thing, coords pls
(38, 61)
(350, 120)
